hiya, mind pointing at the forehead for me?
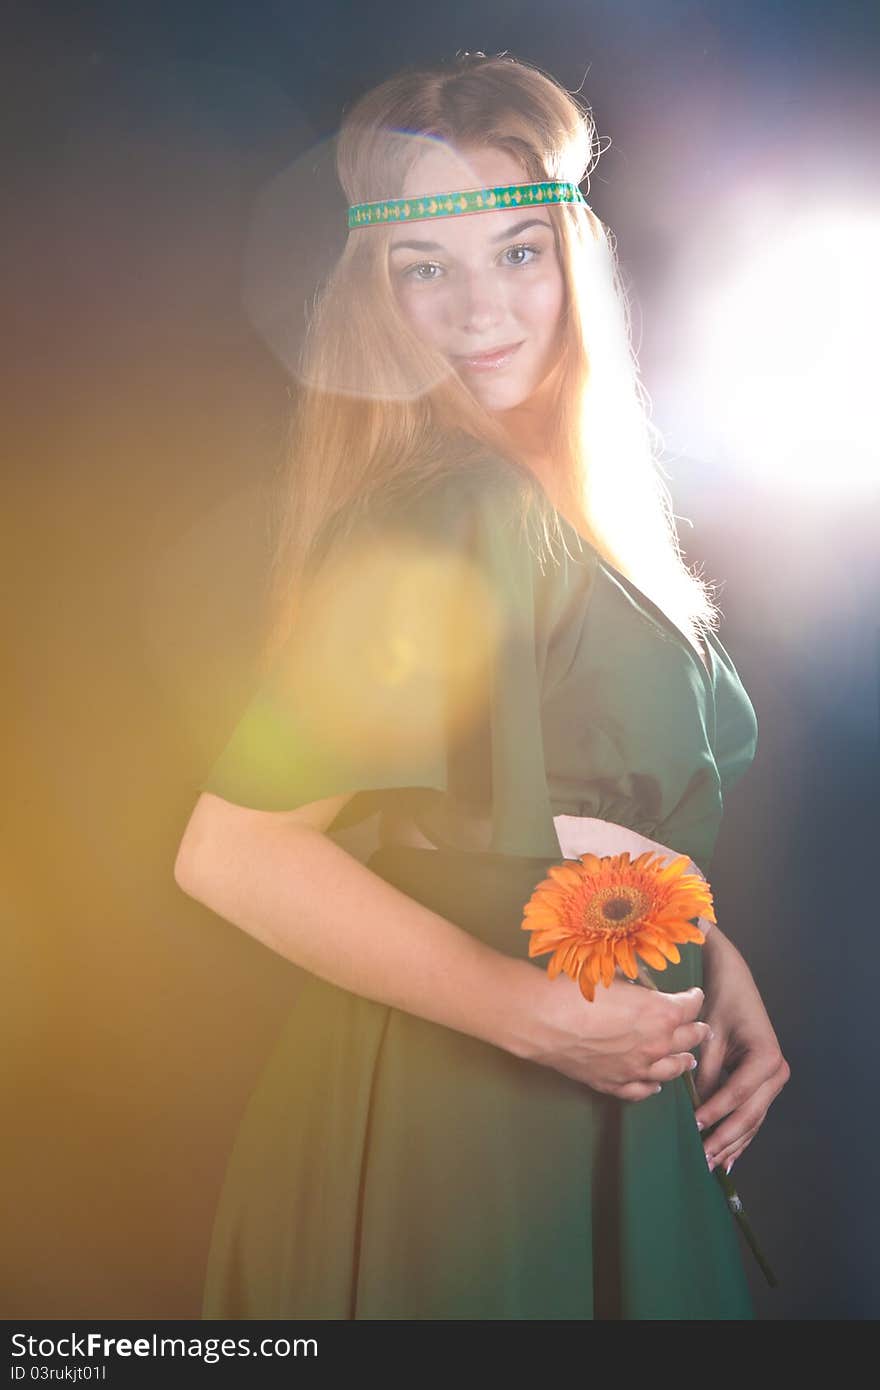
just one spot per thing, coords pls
(442, 169)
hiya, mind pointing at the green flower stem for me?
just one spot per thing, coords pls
(734, 1201)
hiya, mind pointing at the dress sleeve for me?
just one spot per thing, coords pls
(416, 662)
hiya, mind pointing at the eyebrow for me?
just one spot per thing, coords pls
(514, 230)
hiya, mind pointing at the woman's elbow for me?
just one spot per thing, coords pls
(191, 850)
(217, 829)
(183, 875)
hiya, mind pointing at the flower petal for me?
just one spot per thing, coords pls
(670, 951)
(673, 869)
(652, 956)
(626, 959)
(608, 966)
(537, 948)
(591, 862)
(585, 984)
(643, 859)
(540, 917)
(569, 878)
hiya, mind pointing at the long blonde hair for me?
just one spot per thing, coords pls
(345, 445)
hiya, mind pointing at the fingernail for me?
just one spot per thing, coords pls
(693, 1064)
(710, 1162)
(729, 1166)
(700, 1124)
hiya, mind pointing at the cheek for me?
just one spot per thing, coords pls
(421, 316)
(545, 300)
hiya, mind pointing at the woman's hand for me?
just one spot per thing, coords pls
(626, 1042)
(744, 1045)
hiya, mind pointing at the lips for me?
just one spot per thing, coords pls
(490, 361)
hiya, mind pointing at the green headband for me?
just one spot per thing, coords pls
(466, 200)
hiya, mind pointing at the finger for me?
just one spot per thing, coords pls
(731, 1152)
(708, 1076)
(689, 1035)
(690, 1002)
(721, 1142)
(667, 1068)
(637, 1090)
(737, 1153)
(742, 1085)
(720, 1155)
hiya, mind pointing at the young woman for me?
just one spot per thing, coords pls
(487, 638)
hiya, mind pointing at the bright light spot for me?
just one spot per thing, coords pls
(395, 642)
(783, 355)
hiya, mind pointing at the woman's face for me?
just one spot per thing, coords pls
(470, 285)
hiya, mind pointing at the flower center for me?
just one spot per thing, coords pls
(616, 908)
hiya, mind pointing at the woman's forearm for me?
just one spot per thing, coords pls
(295, 890)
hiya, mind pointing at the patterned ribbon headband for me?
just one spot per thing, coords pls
(467, 200)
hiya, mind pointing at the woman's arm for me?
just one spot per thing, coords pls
(278, 877)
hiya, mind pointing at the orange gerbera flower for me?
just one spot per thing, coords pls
(597, 914)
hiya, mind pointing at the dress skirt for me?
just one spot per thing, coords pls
(387, 1167)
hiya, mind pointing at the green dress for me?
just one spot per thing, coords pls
(388, 1167)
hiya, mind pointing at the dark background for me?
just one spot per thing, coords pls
(144, 423)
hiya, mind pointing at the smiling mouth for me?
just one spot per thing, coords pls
(490, 361)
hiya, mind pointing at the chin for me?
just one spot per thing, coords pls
(507, 393)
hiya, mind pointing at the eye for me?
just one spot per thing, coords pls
(412, 273)
(533, 252)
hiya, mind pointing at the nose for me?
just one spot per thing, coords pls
(479, 307)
